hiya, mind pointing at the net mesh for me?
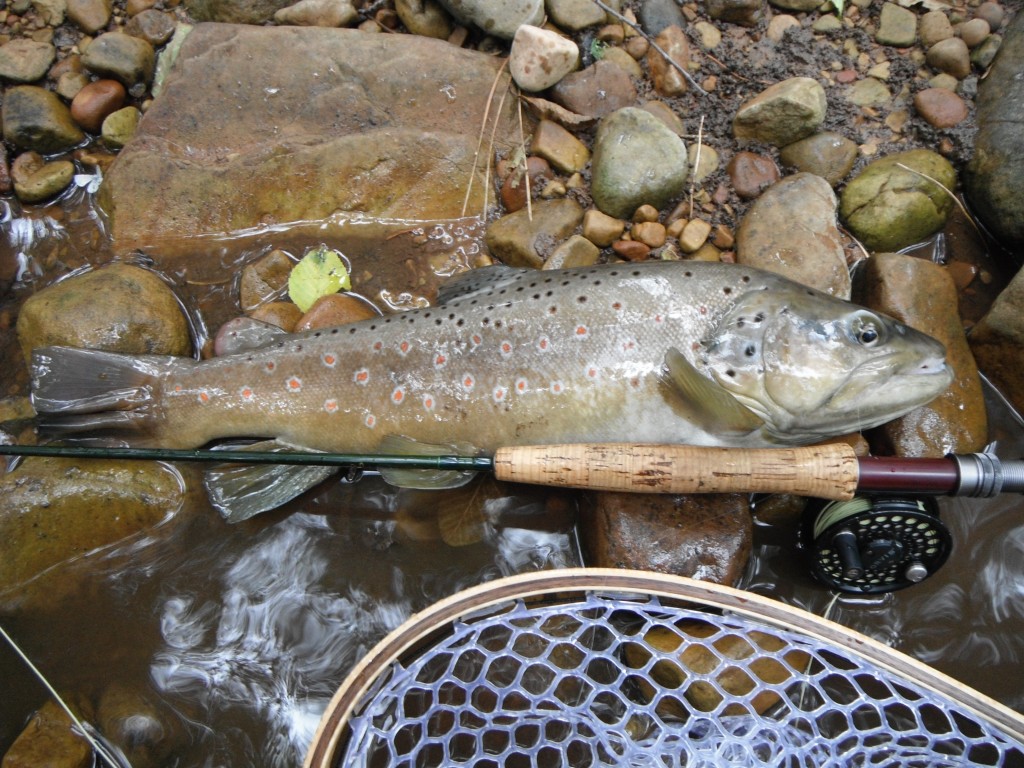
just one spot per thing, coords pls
(624, 681)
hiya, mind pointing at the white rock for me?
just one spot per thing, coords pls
(540, 58)
(318, 13)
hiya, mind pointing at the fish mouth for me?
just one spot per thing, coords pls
(909, 384)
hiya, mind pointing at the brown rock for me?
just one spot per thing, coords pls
(940, 107)
(283, 314)
(668, 81)
(517, 183)
(703, 536)
(950, 56)
(921, 294)
(155, 27)
(559, 147)
(521, 241)
(651, 233)
(90, 16)
(95, 101)
(336, 309)
(997, 342)
(751, 174)
(49, 736)
(596, 91)
(6, 183)
(746, 13)
(265, 279)
(633, 250)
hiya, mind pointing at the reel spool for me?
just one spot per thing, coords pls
(874, 544)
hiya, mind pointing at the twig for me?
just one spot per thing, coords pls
(696, 161)
(480, 140)
(526, 165)
(949, 192)
(636, 27)
(490, 154)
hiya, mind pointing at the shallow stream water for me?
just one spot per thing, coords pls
(230, 640)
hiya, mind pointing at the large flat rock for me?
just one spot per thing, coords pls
(264, 126)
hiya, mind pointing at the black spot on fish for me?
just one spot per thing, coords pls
(730, 373)
(460, 322)
(582, 299)
(745, 278)
(750, 351)
(535, 296)
(497, 323)
(552, 310)
(351, 331)
(688, 273)
(759, 317)
(727, 290)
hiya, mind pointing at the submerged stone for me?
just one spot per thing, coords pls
(310, 122)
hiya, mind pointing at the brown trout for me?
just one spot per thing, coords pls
(681, 352)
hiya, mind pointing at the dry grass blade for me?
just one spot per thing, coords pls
(696, 161)
(948, 191)
(480, 139)
(526, 165)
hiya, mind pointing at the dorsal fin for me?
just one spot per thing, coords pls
(244, 334)
(478, 282)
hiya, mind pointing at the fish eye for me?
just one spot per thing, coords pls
(867, 329)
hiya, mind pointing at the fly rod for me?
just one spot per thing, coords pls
(831, 471)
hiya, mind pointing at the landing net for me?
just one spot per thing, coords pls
(592, 676)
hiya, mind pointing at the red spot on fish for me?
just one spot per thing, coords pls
(440, 361)
(476, 340)
(628, 345)
(428, 402)
(659, 319)
(543, 343)
(361, 376)
(506, 349)
(499, 394)
(378, 346)
(398, 395)
(468, 382)
(404, 347)
(521, 385)
(556, 387)
(294, 384)
(178, 388)
(204, 396)
(245, 393)
(581, 331)
(370, 420)
(617, 306)
(592, 372)
(329, 359)
(703, 310)
(270, 366)
(331, 406)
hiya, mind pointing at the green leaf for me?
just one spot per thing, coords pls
(838, 5)
(597, 47)
(321, 272)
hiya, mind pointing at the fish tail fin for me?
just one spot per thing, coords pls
(76, 391)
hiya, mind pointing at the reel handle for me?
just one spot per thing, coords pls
(823, 471)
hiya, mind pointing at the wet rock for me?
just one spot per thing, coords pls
(282, 314)
(539, 58)
(500, 19)
(921, 294)
(125, 58)
(941, 108)
(119, 308)
(235, 11)
(705, 537)
(70, 83)
(829, 155)
(602, 229)
(631, 250)
(992, 178)
(950, 56)
(95, 101)
(887, 207)
(746, 13)
(668, 81)
(153, 26)
(35, 118)
(515, 188)
(58, 510)
(90, 16)
(127, 717)
(934, 27)
(25, 61)
(49, 739)
(318, 13)
(636, 160)
(896, 26)
(559, 147)
(658, 15)
(119, 127)
(424, 17)
(997, 342)
(335, 309)
(408, 142)
(596, 91)
(577, 251)
(574, 15)
(46, 182)
(791, 229)
(519, 242)
(25, 165)
(650, 233)
(782, 113)
(751, 173)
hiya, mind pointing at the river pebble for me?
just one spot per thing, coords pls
(48, 181)
(35, 118)
(707, 537)
(778, 25)
(24, 61)
(120, 126)
(950, 56)
(122, 57)
(791, 229)
(668, 80)
(153, 26)
(795, 5)
(746, 13)
(95, 101)
(500, 19)
(751, 173)
(782, 113)
(694, 235)
(598, 90)
(829, 155)
(897, 26)
(602, 229)
(517, 182)
(577, 251)
(983, 55)
(655, 16)
(49, 739)
(574, 15)
(283, 314)
(940, 107)
(997, 342)
(888, 207)
(518, 241)
(922, 294)
(426, 18)
(934, 27)
(318, 13)
(974, 32)
(539, 58)
(636, 160)
(139, 314)
(559, 147)
(264, 280)
(89, 15)
(993, 13)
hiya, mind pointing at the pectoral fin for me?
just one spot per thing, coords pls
(240, 491)
(423, 479)
(704, 402)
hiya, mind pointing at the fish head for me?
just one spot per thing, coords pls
(814, 366)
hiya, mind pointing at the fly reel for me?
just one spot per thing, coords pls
(874, 544)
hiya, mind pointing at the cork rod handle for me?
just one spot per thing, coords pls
(823, 471)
